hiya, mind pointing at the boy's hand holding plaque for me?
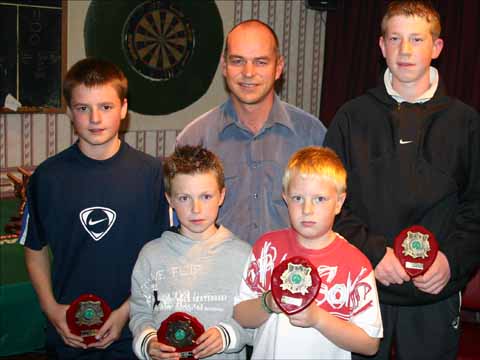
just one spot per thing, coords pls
(86, 315)
(180, 330)
(295, 284)
(416, 248)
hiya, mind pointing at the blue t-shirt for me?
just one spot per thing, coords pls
(95, 216)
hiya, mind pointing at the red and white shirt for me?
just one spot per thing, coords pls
(347, 291)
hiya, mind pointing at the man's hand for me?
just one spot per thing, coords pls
(112, 328)
(159, 351)
(56, 314)
(390, 271)
(436, 277)
(209, 343)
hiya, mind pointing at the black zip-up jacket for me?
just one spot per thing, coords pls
(411, 164)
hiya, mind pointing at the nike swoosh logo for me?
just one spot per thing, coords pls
(91, 222)
(403, 142)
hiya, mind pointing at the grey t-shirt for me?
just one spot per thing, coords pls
(174, 273)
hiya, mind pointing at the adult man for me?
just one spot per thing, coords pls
(254, 132)
(412, 156)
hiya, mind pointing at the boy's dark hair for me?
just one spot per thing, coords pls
(93, 72)
(191, 160)
(423, 9)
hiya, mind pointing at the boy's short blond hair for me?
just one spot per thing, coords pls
(190, 160)
(316, 161)
(423, 9)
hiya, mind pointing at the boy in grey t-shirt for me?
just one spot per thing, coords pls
(195, 268)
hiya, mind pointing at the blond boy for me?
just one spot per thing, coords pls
(345, 315)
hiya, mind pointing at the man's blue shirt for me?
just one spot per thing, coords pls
(254, 163)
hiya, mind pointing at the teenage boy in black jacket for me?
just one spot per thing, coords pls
(412, 156)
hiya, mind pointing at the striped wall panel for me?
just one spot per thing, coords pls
(301, 35)
(28, 139)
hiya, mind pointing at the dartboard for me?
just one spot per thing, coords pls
(168, 49)
(158, 40)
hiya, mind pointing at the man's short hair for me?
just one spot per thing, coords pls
(93, 72)
(251, 22)
(316, 161)
(190, 160)
(423, 9)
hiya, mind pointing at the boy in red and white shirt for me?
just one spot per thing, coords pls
(345, 316)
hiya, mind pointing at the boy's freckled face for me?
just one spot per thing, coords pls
(408, 48)
(96, 115)
(196, 199)
(312, 204)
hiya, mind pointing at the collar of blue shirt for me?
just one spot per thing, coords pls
(278, 115)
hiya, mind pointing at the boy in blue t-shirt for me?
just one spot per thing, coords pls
(94, 205)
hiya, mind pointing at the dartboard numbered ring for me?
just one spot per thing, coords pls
(158, 40)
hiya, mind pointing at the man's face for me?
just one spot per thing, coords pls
(96, 116)
(409, 48)
(251, 65)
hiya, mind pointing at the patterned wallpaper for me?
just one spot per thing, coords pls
(28, 139)
(301, 33)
